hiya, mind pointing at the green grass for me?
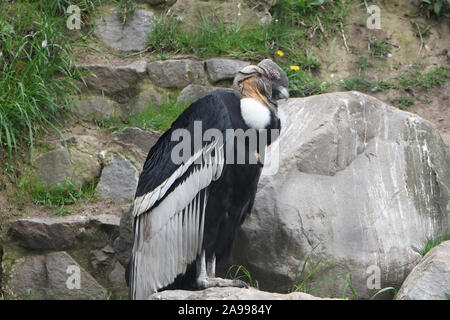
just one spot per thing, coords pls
(289, 31)
(379, 49)
(426, 81)
(403, 102)
(239, 272)
(153, 118)
(56, 197)
(126, 10)
(433, 242)
(36, 70)
(212, 38)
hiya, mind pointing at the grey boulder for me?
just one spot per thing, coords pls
(176, 73)
(53, 276)
(358, 188)
(223, 69)
(118, 180)
(131, 36)
(193, 92)
(230, 293)
(430, 279)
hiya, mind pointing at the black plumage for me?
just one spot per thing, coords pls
(187, 215)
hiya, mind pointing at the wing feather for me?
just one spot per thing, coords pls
(170, 203)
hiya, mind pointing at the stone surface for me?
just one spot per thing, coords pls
(229, 293)
(118, 180)
(430, 279)
(58, 166)
(119, 82)
(176, 73)
(48, 277)
(360, 186)
(48, 233)
(90, 107)
(131, 36)
(123, 244)
(193, 92)
(117, 279)
(101, 260)
(60, 233)
(149, 97)
(141, 138)
(223, 69)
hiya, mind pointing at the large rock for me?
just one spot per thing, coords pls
(49, 277)
(193, 92)
(224, 69)
(76, 164)
(229, 293)
(430, 279)
(149, 96)
(176, 73)
(140, 138)
(118, 180)
(359, 189)
(61, 233)
(95, 107)
(131, 36)
(117, 81)
(123, 244)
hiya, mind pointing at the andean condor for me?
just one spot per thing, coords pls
(186, 212)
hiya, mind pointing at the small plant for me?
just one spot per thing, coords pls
(434, 7)
(379, 48)
(159, 119)
(57, 196)
(415, 79)
(239, 272)
(358, 84)
(126, 10)
(403, 102)
(36, 71)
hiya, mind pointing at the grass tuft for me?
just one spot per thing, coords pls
(36, 70)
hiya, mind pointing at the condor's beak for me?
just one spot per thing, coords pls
(281, 93)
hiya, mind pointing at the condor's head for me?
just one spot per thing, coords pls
(259, 87)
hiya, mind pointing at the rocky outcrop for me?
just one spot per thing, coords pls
(359, 188)
(45, 258)
(223, 69)
(176, 73)
(117, 81)
(74, 160)
(119, 179)
(230, 293)
(193, 92)
(96, 107)
(112, 164)
(430, 279)
(48, 277)
(61, 233)
(129, 36)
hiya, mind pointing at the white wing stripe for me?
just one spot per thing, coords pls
(170, 235)
(146, 201)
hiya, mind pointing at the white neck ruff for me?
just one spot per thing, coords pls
(255, 114)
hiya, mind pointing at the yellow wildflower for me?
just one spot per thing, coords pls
(280, 53)
(295, 68)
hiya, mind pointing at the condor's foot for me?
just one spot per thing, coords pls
(220, 282)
